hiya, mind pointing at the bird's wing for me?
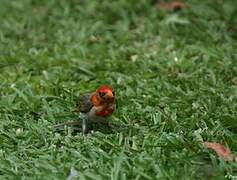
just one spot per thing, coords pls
(84, 103)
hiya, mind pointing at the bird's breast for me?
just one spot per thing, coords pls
(101, 111)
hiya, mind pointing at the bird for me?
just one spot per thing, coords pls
(96, 106)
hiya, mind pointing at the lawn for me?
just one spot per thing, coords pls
(174, 72)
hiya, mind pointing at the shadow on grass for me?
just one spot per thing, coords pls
(105, 127)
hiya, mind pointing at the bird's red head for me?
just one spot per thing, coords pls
(105, 93)
(104, 97)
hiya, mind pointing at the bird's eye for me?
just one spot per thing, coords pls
(101, 94)
(113, 93)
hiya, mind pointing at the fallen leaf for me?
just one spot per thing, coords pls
(172, 5)
(73, 174)
(221, 150)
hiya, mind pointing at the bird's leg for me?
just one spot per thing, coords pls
(86, 125)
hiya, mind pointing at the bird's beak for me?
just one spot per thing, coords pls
(109, 95)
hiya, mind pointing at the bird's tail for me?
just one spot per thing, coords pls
(69, 123)
(109, 124)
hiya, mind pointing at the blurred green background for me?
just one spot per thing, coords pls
(175, 75)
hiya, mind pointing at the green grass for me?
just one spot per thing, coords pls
(175, 75)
